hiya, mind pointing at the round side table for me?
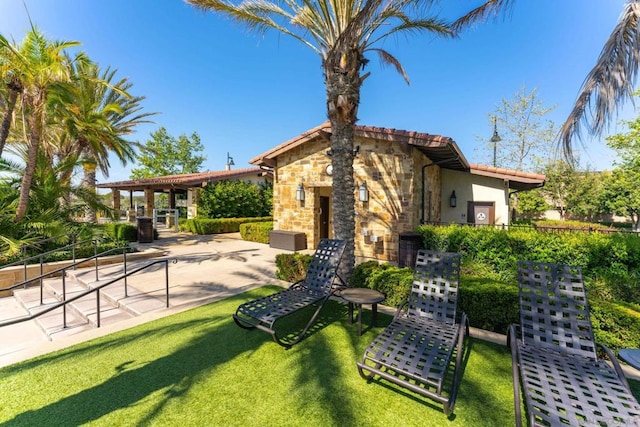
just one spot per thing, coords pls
(359, 296)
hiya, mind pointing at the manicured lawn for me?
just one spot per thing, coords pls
(199, 368)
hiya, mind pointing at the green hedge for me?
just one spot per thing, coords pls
(122, 231)
(217, 225)
(256, 231)
(610, 262)
(292, 267)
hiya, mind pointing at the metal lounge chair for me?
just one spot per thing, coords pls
(315, 288)
(554, 355)
(416, 349)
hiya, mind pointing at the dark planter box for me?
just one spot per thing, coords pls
(289, 240)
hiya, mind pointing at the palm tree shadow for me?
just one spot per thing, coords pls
(216, 343)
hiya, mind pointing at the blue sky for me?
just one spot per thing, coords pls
(244, 93)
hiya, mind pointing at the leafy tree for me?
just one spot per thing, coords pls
(524, 133)
(165, 155)
(622, 189)
(235, 199)
(622, 193)
(585, 198)
(532, 204)
(342, 33)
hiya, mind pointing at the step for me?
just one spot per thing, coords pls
(23, 335)
(133, 300)
(52, 323)
(87, 306)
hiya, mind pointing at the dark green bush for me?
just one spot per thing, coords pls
(489, 305)
(392, 281)
(611, 259)
(292, 267)
(216, 226)
(362, 271)
(256, 231)
(122, 231)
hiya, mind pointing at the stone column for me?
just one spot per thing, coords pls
(148, 202)
(116, 200)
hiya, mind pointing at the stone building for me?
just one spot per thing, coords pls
(402, 179)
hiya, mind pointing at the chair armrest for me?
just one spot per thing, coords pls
(512, 335)
(616, 365)
(400, 308)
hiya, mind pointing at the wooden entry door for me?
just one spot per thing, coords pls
(324, 217)
(482, 213)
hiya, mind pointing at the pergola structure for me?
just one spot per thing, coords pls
(178, 184)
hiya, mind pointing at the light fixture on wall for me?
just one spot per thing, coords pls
(453, 200)
(300, 193)
(363, 192)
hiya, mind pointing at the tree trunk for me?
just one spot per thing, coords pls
(35, 132)
(343, 84)
(6, 119)
(89, 184)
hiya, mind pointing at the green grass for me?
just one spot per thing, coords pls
(199, 368)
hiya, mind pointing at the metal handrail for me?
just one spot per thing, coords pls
(67, 267)
(96, 289)
(42, 255)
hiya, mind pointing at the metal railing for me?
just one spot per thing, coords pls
(97, 290)
(40, 257)
(63, 270)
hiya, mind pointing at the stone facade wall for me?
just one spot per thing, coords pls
(392, 173)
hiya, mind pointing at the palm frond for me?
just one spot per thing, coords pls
(387, 59)
(609, 83)
(482, 13)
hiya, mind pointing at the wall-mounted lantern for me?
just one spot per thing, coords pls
(300, 193)
(363, 192)
(453, 200)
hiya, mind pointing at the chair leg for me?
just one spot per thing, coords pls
(289, 344)
(244, 324)
(464, 332)
(515, 374)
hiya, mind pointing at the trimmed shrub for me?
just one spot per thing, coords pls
(362, 271)
(392, 281)
(220, 225)
(292, 267)
(122, 231)
(256, 231)
(489, 305)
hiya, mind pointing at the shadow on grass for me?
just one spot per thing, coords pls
(215, 341)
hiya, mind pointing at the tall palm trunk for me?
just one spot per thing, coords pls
(6, 119)
(343, 84)
(35, 132)
(89, 184)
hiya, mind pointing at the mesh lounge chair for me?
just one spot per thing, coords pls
(315, 288)
(554, 354)
(415, 350)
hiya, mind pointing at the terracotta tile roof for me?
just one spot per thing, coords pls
(517, 179)
(436, 147)
(181, 181)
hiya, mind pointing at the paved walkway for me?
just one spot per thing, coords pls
(208, 268)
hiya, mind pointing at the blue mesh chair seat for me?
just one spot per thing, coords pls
(316, 288)
(554, 355)
(416, 349)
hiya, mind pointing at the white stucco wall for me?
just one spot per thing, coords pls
(469, 187)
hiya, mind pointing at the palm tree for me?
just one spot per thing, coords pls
(96, 117)
(39, 66)
(11, 88)
(342, 32)
(609, 83)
